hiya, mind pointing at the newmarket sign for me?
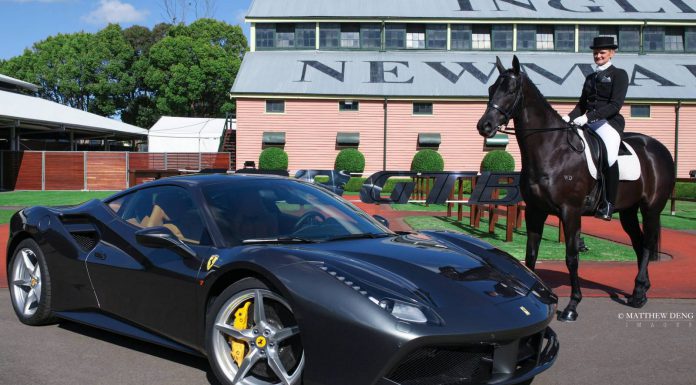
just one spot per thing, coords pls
(385, 71)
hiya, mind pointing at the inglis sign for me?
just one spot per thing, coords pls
(588, 6)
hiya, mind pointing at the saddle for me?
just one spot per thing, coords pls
(595, 153)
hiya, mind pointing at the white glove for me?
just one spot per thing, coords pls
(580, 120)
(566, 118)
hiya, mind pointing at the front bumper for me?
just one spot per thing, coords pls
(505, 363)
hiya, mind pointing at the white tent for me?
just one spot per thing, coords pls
(172, 133)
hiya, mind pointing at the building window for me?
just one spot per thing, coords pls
(275, 106)
(502, 37)
(565, 37)
(526, 37)
(395, 36)
(654, 39)
(629, 38)
(461, 37)
(305, 35)
(348, 105)
(640, 110)
(481, 37)
(674, 39)
(285, 35)
(587, 34)
(422, 108)
(415, 36)
(265, 35)
(436, 36)
(329, 35)
(371, 35)
(350, 35)
(544, 38)
(690, 39)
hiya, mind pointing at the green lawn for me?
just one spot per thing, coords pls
(49, 198)
(5, 215)
(551, 249)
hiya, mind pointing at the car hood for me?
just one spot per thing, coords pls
(438, 268)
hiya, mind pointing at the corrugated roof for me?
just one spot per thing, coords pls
(429, 74)
(477, 9)
(185, 134)
(45, 112)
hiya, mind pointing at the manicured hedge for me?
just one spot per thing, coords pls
(351, 160)
(685, 190)
(427, 160)
(273, 158)
(498, 160)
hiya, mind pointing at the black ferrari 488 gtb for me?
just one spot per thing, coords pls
(280, 281)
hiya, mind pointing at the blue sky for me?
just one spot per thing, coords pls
(27, 21)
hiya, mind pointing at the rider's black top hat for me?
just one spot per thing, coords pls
(600, 42)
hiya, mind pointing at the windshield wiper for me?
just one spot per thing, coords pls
(360, 236)
(278, 240)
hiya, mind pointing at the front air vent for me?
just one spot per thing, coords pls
(444, 365)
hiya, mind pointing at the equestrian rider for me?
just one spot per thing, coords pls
(599, 107)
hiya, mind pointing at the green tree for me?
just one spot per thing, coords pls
(194, 67)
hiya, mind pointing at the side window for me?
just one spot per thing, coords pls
(168, 206)
(120, 204)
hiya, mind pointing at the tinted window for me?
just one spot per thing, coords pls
(305, 34)
(275, 106)
(629, 39)
(329, 35)
(461, 36)
(640, 111)
(265, 35)
(348, 105)
(422, 108)
(436, 35)
(371, 35)
(247, 209)
(395, 36)
(168, 206)
(565, 38)
(502, 37)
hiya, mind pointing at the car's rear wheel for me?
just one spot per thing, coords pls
(252, 337)
(30, 284)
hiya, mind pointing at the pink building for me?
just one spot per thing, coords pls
(391, 81)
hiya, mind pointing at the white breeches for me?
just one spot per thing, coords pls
(611, 139)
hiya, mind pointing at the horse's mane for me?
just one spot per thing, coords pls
(541, 98)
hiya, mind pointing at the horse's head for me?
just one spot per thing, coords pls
(503, 99)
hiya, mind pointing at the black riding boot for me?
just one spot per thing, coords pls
(611, 187)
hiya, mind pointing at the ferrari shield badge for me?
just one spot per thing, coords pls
(212, 260)
(525, 311)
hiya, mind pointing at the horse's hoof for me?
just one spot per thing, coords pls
(635, 302)
(568, 316)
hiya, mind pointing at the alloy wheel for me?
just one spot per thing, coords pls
(26, 282)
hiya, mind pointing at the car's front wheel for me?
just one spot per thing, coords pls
(252, 337)
(30, 284)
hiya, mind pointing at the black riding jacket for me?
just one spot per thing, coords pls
(603, 96)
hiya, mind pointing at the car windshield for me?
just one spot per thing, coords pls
(268, 210)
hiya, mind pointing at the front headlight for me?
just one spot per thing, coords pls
(384, 298)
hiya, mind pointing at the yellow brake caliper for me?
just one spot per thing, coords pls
(241, 317)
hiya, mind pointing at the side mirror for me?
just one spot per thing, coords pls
(162, 237)
(382, 220)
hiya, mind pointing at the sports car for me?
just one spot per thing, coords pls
(280, 281)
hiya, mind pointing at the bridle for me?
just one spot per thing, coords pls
(511, 112)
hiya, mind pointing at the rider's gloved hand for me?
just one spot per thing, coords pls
(580, 120)
(566, 118)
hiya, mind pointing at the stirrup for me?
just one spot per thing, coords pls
(605, 211)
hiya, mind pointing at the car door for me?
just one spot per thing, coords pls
(153, 287)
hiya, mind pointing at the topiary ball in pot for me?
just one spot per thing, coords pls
(427, 160)
(273, 158)
(351, 160)
(498, 160)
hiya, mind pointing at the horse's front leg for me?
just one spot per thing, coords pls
(571, 228)
(535, 219)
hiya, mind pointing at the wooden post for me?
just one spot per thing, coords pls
(511, 215)
(460, 196)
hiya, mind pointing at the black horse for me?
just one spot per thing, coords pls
(555, 179)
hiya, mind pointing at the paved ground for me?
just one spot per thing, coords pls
(600, 348)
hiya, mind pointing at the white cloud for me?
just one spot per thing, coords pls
(114, 11)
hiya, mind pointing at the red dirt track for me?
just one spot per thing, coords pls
(670, 279)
